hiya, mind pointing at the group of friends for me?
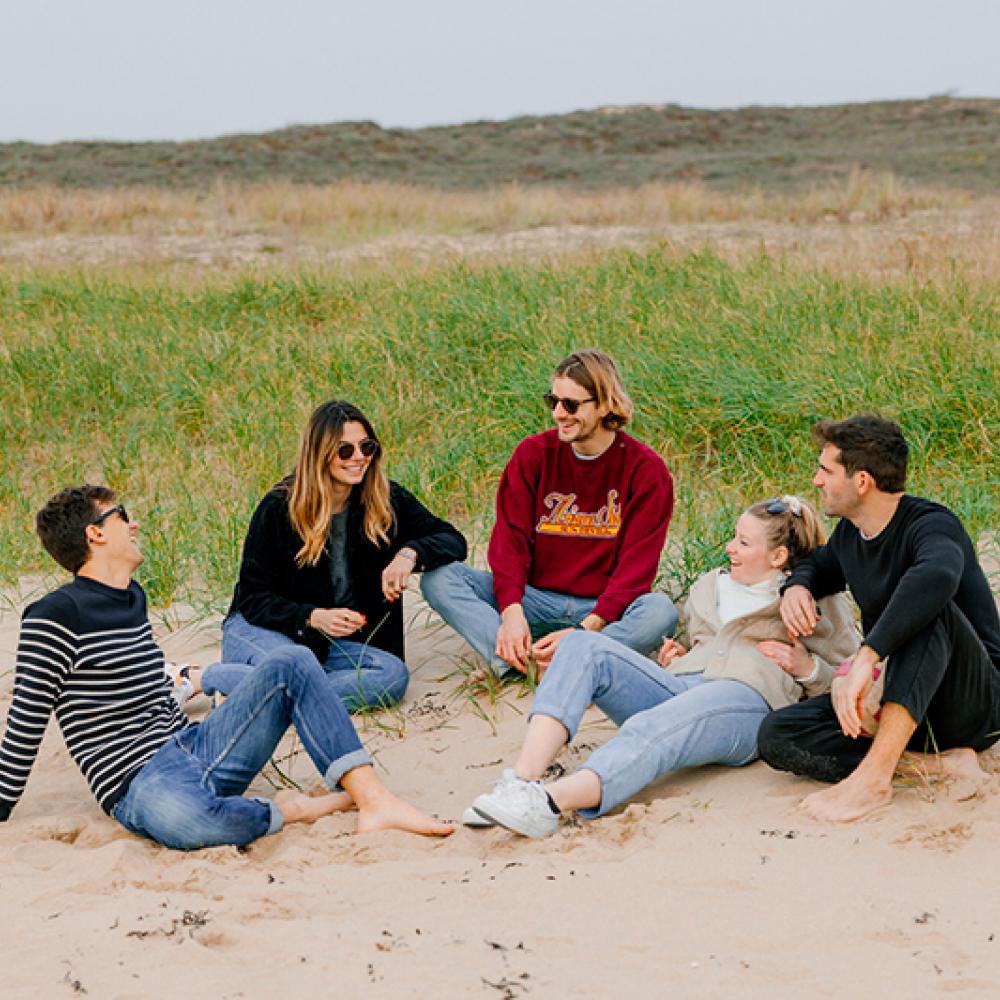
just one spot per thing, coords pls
(773, 666)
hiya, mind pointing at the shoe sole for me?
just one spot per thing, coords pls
(472, 818)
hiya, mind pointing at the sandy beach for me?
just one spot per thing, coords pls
(710, 883)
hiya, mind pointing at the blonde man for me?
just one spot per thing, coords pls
(581, 517)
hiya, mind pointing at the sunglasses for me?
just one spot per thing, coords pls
(569, 405)
(369, 447)
(118, 509)
(779, 506)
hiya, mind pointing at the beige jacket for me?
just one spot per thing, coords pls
(730, 651)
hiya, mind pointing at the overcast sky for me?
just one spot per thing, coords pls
(128, 69)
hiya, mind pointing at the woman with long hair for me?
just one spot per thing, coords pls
(700, 705)
(327, 558)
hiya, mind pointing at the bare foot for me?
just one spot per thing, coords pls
(299, 808)
(388, 812)
(960, 762)
(848, 800)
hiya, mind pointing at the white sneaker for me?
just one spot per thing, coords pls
(181, 687)
(471, 818)
(521, 806)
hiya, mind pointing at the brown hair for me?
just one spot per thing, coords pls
(310, 492)
(868, 443)
(594, 371)
(792, 522)
(62, 523)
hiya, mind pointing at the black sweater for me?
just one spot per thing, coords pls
(903, 578)
(273, 592)
(86, 653)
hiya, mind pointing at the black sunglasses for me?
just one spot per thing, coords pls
(369, 447)
(118, 509)
(569, 405)
(779, 506)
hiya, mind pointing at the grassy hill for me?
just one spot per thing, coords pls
(939, 141)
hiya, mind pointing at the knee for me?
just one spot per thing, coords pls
(292, 662)
(575, 650)
(772, 740)
(663, 609)
(435, 583)
(396, 680)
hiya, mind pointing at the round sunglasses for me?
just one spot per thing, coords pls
(569, 405)
(369, 448)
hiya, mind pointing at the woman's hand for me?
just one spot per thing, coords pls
(397, 573)
(792, 657)
(670, 650)
(336, 622)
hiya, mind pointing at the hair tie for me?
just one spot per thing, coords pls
(794, 505)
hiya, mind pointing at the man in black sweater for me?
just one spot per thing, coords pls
(86, 654)
(929, 620)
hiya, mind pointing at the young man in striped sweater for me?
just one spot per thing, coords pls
(86, 653)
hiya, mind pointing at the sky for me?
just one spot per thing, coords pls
(181, 69)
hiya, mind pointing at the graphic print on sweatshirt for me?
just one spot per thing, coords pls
(566, 519)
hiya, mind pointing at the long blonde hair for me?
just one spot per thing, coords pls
(311, 490)
(790, 521)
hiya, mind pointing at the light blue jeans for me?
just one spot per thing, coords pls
(364, 676)
(190, 793)
(464, 598)
(667, 720)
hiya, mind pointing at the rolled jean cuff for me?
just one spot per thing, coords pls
(340, 767)
(555, 713)
(277, 820)
(592, 812)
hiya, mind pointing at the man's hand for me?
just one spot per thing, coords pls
(396, 574)
(799, 611)
(546, 647)
(792, 657)
(336, 622)
(514, 638)
(849, 691)
(670, 650)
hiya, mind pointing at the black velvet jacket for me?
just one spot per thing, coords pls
(275, 593)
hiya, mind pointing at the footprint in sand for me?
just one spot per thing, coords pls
(947, 839)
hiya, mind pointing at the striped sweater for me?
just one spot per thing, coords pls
(86, 653)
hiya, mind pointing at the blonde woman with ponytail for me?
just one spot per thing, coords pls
(326, 559)
(697, 705)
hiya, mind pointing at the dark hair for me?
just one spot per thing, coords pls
(596, 372)
(868, 443)
(62, 523)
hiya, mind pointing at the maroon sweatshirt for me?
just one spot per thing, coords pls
(589, 528)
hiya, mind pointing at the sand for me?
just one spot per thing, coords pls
(711, 883)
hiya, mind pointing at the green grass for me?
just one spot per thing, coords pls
(189, 401)
(952, 142)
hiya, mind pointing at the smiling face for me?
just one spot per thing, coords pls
(838, 491)
(582, 428)
(116, 538)
(752, 559)
(351, 471)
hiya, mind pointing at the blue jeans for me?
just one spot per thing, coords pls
(464, 598)
(190, 793)
(362, 675)
(667, 720)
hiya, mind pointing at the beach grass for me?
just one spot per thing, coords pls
(188, 400)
